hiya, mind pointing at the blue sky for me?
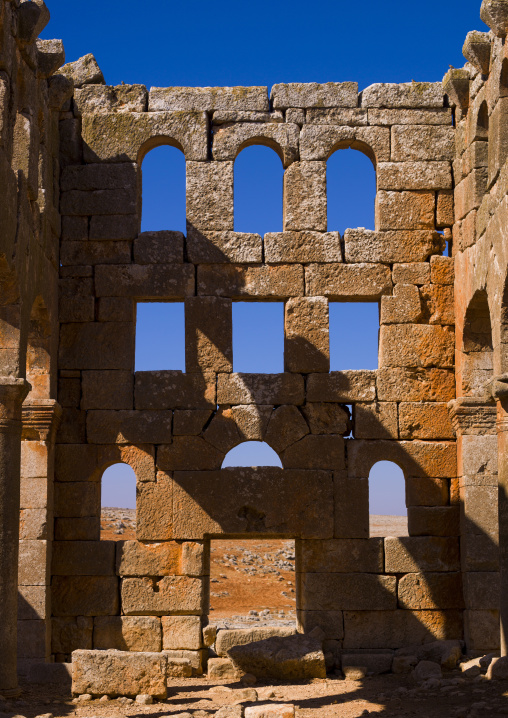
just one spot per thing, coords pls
(199, 44)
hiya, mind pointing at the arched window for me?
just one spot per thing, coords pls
(251, 453)
(387, 500)
(351, 191)
(118, 503)
(258, 184)
(482, 122)
(477, 347)
(163, 190)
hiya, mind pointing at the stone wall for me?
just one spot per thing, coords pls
(175, 428)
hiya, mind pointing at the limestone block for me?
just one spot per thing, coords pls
(427, 492)
(222, 669)
(75, 228)
(494, 13)
(210, 195)
(68, 634)
(190, 421)
(72, 428)
(126, 137)
(87, 528)
(319, 142)
(84, 71)
(404, 307)
(33, 567)
(158, 596)
(343, 591)
(365, 245)
(127, 633)
(415, 384)
(96, 345)
(425, 420)
(188, 453)
(209, 634)
(264, 500)
(134, 558)
(376, 420)
(306, 347)
(102, 201)
(433, 520)
(430, 591)
(162, 247)
(286, 426)
(480, 510)
(479, 553)
(414, 175)
(405, 210)
(327, 418)
(173, 389)
(431, 116)
(236, 280)
(416, 144)
(296, 657)
(305, 197)
(416, 345)
(34, 461)
(223, 117)
(478, 456)
(251, 421)
(107, 390)
(302, 247)
(400, 628)
(91, 253)
(181, 632)
(336, 116)
(348, 282)
(438, 304)
(275, 710)
(140, 458)
(469, 193)
(330, 622)
(222, 431)
(406, 95)
(119, 673)
(414, 273)
(342, 386)
(75, 499)
(312, 94)
(84, 595)
(152, 281)
(208, 334)
(88, 178)
(445, 215)
(114, 227)
(208, 99)
(195, 659)
(229, 141)
(442, 270)
(196, 558)
(102, 99)
(154, 501)
(228, 638)
(115, 309)
(416, 458)
(34, 492)
(126, 427)
(482, 630)
(260, 389)
(205, 247)
(315, 452)
(83, 558)
(341, 556)
(482, 590)
(351, 518)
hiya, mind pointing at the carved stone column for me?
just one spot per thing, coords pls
(12, 393)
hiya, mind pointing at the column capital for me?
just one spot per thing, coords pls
(472, 415)
(41, 418)
(12, 393)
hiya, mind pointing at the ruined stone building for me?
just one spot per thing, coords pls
(73, 266)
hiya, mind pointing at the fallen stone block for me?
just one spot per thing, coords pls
(446, 653)
(228, 638)
(296, 657)
(119, 673)
(471, 669)
(230, 712)
(426, 670)
(274, 710)
(355, 672)
(498, 669)
(222, 668)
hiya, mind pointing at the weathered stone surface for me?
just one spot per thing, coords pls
(84, 595)
(415, 144)
(295, 657)
(83, 558)
(421, 553)
(97, 345)
(376, 420)
(68, 634)
(416, 345)
(190, 422)
(498, 669)
(407, 95)
(181, 632)
(430, 590)
(84, 71)
(207, 99)
(223, 669)
(145, 282)
(414, 175)
(306, 335)
(425, 420)
(107, 390)
(300, 247)
(341, 556)
(405, 210)
(442, 270)
(209, 192)
(433, 520)
(348, 591)
(348, 282)
(365, 245)
(126, 427)
(205, 247)
(127, 633)
(134, 558)
(119, 673)
(494, 13)
(337, 116)
(188, 453)
(327, 418)
(162, 247)
(157, 597)
(236, 280)
(208, 334)
(260, 389)
(101, 99)
(258, 501)
(315, 452)
(416, 458)
(415, 384)
(344, 386)
(431, 116)
(312, 94)
(227, 638)
(414, 273)
(286, 426)
(157, 390)
(305, 197)
(396, 629)
(229, 141)
(426, 670)
(275, 710)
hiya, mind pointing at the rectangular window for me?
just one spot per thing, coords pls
(354, 335)
(160, 336)
(258, 337)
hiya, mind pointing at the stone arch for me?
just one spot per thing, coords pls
(266, 451)
(339, 166)
(282, 138)
(477, 346)
(169, 197)
(158, 141)
(378, 507)
(259, 209)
